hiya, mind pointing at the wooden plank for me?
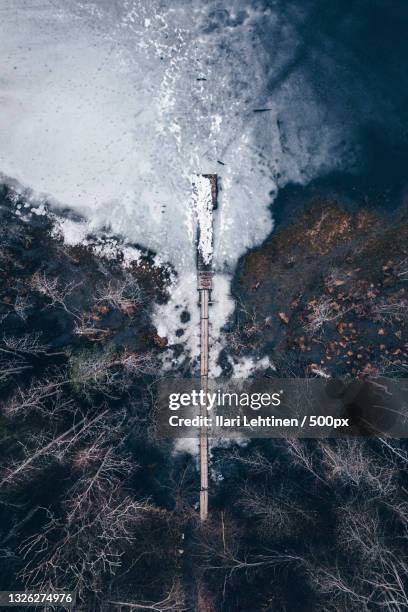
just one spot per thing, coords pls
(204, 288)
(204, 347)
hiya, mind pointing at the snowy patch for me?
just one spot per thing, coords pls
(72, 232)
(248, 366)
(203, 210)
(131, 255)
(183, 298)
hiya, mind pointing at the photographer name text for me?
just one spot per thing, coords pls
(258, 421)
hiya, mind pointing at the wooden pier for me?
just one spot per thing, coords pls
(204, 274)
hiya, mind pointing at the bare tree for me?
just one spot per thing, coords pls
(391, 310)
(12, 367)
(349, 461)
(359, 530)
(99, 518)
(303, 456)
(220, 548)
(275, 516)
(21, 306)
(45, 446)
(27, 344)
(104, 372)
(324, 310)
(85, 326)
(122, 293)
(173, 601)
(255, 462)
(379, 586)
(14, 354)
(54, 290)
(246, 330)
(44, 396)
